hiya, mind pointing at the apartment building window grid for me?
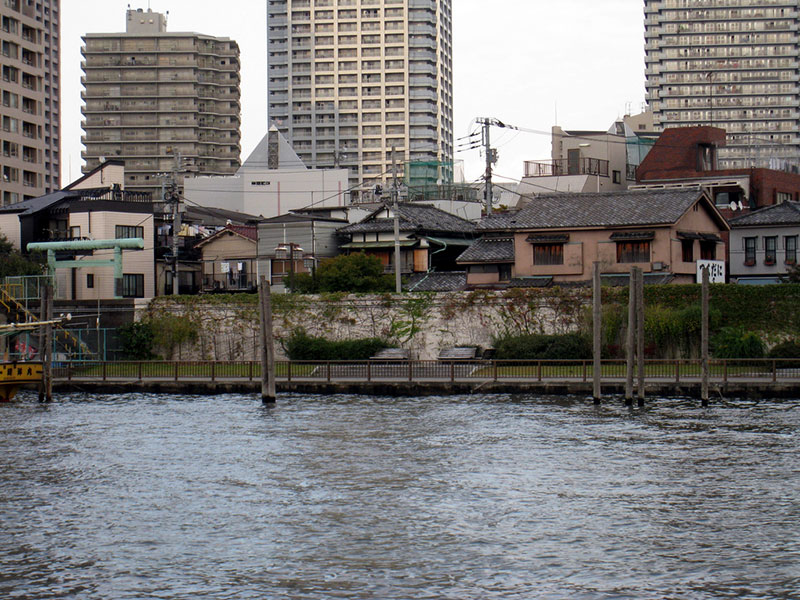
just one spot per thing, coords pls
(730, 63)
(386, 61)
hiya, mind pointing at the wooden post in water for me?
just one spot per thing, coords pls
(640, 335)
(46, 344)
(267, 343)
(630, 339)
(704, 339)
(596, 332)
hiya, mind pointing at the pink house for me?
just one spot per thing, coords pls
(557, 238)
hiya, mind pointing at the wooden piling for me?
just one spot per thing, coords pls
(630, 341)
(268, 395)
(597, 366)
(640, 387)
(704, 338)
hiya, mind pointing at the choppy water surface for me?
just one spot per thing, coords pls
(351, 497)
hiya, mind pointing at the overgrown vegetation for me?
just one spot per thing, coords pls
(573, 346)
(137, 340)
(734, 342)
(301, 346)
(357, 273)
(14, 263)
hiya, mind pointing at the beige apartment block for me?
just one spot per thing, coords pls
(152, 97)
(731, 64)
(351, 79)
(30, 99)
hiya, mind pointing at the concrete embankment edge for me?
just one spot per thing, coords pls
(732, 390)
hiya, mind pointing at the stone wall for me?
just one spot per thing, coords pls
(228, 327)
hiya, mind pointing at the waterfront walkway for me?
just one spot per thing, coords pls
(754, 378)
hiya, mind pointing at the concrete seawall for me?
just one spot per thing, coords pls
(755, 390)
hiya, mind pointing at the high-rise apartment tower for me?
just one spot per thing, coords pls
(732, 64)
(30, 99)
(351, 79)
(151, 97)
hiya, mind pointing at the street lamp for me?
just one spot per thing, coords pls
(291, 252)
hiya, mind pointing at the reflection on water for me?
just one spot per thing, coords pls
(351, 497)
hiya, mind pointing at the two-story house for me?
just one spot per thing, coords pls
(557, 238)
(763, 243)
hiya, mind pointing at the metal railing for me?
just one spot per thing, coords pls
(564, 166)
(721, 371)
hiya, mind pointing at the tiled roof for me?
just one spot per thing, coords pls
(247, 231)
(489, 250)
(785, 213)
(608, 209)
(437, 282)
(413, 217)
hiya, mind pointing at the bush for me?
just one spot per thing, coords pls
(137, 340)
(784, 350)
(301, 346)
(357, 273)
(545, 347)
(733, 342)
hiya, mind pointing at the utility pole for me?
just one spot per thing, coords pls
(491, 158)
(175, 200)
(398, 286)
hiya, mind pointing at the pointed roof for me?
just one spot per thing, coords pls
(785, 213)
(249, 232)
(259, 158)
(413, 217)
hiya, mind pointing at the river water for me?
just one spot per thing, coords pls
(482, 497)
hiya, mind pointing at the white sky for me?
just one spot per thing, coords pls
(521, 61)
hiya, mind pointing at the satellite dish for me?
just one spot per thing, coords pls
(741, 206)
(733, 205)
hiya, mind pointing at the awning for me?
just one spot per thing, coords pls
(709, 237)
(634, 236)
(378, 245)
(562, 238)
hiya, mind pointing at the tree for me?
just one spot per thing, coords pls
(793, 275)
(355, 273)
(13, 262)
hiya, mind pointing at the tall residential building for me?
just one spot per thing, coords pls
(30, 99)
(352, 79)
(731, 64)
(151, 97)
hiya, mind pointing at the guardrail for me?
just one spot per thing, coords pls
(518, 371)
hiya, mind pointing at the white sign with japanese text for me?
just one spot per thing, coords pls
(716, 270)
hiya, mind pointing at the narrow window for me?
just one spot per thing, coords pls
(749, 251)
(770, 250)
(687, 250)
(790, 246)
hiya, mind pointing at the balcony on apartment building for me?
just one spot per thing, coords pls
(566, 166)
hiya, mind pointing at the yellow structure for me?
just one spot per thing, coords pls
(13, 375)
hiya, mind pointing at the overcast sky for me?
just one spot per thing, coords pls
(529, 63)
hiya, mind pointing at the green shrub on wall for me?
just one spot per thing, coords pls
(734, 342)
(301, 346)
(543, 347)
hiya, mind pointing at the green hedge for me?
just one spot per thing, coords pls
(301, 346)
(543, 347)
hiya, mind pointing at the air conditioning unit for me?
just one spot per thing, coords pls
(658, 266)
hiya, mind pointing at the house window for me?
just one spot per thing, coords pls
(706, 157)
(687, 250)
(790, 246)
(548, 254)
(90, 280)
(770, 250)
(505, 272)
(128, 231)
(75, 232)
(616, 176)
(633, 252)
(749, 251)
(708, 250)
(133, 285)
(781, 197)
